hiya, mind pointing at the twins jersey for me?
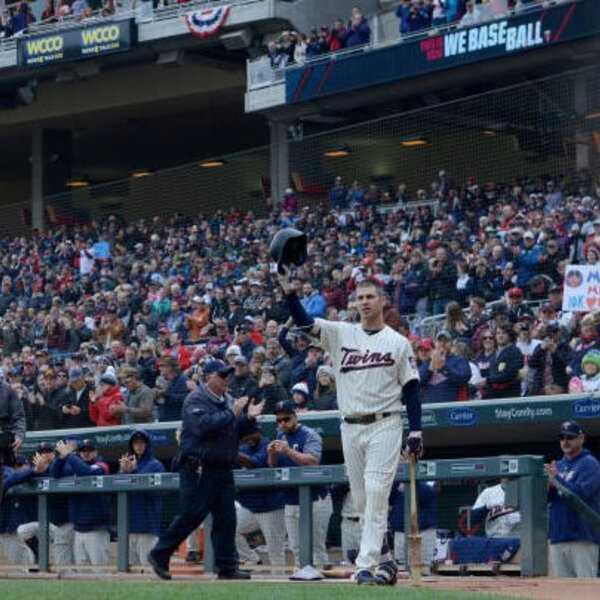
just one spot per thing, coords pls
(371, 369)
(500, 520)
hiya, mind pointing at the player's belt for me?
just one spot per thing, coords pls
(366, 419)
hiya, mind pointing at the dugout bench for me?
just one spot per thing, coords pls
(526, 491)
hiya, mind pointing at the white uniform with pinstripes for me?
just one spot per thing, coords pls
(371, 370)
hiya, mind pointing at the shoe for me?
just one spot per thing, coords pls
(160, 569)
(34, 545)
(237, 574)
(387, 573)
(191, 557)
(364, 577)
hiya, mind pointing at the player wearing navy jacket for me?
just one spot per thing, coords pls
(90, 513)
(574, 544)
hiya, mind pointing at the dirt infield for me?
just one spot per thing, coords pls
(520, 587)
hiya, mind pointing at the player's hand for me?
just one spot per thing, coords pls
(40, 464)
(550, 469)
(65, 448)
(280, 446)
(285, 280)
(414, 445)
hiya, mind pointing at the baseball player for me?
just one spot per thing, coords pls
(375, 371)
(500, 521)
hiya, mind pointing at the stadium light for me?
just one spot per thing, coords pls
(412, 141)
(215, 162)
(77, 182)
(337, 152)
(139, 173)
(489, 133)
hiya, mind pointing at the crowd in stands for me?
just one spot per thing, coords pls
(293, 47)
(111, 322)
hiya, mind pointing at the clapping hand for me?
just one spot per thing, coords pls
(239, 404)
(128, 463)
(254, 410)
(65, 448)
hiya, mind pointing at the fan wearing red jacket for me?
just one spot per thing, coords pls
(101, 404)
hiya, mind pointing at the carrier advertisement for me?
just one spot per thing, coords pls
(533, 29)
(75, 44)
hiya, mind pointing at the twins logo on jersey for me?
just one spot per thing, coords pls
(354, 360)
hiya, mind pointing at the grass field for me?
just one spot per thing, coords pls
(127, 590)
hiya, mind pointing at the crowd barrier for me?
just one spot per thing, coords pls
(525, 491)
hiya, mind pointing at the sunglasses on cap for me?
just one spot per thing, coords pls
(284, 419)
(567, 436)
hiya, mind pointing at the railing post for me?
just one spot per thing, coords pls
(533, 505)
(123, 532)
(209, 553)
(305, 526)
(44, 538)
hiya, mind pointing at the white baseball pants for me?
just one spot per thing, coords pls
(272, 525)
(139, 546)
(91, 547)
(371, 453)
(61, 537)
(321, 513)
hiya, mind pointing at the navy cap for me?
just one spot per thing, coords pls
(285, 406)
(45, 447)
(217, 366)
(87, 443)
(571, 428)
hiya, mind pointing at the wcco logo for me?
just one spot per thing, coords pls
(100, 35)
(45, 45)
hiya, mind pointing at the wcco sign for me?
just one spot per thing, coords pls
(76, 44)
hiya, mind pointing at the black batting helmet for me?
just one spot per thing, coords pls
(288, 247)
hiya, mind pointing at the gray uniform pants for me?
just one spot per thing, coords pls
(574, 559)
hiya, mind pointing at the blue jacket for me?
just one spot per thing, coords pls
(259, 500)
(427, 502)
(358, 36)
(315, 305)
(209, 429)
(173, 397)
(145, 508)
(17, 510)
(581, 475)
(527, 263)
(87, 512)
(444, 385)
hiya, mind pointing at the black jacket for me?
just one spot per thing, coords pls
(503, 379)
(560, 361)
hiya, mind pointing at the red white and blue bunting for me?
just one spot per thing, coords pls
(204, 23)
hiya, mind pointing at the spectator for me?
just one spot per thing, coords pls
(549, 363)
(243, 383)
(503, 380)
(325, 395)
(300, 396)
(270, 390)
(444, 375)
(471, 16)
(589, 380)
(574, 544)
(336, 35)
(74, 409)
(103, 403)
(442, 280)
(313, 302)
(171, 389)
(139, 404)
(48, 15)
(358, 32)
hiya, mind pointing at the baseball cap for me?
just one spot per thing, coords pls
(555, 288)
(425, 344)
(217, 366)
(240, 359)
(285, 406)
(45, 447)
(75, 374)
(515, 293)
(547, 307)
(571, 429)
(86, 444)
(529, 234)
(300, 388)
(552, 325)
(109, 379)
(233, 349)
(443, 334)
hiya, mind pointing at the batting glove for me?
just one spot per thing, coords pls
(414, 444)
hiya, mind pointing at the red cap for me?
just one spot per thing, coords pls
(515, 293)
(426, 344)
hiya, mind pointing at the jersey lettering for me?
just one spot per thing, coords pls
(353, 360)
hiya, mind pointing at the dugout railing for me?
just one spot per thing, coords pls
(526, 492)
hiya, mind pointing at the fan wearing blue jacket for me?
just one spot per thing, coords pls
(574, 543)
(145, 508)
(89, 513)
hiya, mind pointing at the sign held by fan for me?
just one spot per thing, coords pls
(581, 288)
(204, 23)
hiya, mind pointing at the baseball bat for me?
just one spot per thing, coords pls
(414, 539)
